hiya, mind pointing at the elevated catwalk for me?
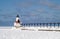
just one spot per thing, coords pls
(38, 28)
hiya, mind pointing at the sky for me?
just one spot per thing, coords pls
(30, 11)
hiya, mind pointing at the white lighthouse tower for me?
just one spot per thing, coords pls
(17, 22)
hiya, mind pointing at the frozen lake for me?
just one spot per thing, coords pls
(8, 33)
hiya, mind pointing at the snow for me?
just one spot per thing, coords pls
(8, 33)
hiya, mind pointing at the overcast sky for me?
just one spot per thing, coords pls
(30, 11)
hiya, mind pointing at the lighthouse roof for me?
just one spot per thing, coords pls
(17, 15)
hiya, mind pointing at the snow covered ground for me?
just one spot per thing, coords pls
(8, 33)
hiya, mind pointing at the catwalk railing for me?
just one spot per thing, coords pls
(42, 24)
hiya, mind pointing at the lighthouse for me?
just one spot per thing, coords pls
(17, 22)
